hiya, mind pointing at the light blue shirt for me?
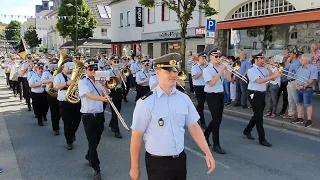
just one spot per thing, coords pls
(114, 73)
(310, 72)
(30, 73)
(286, 68)
(23, 67)
(153, 80)
(152, 72)
(34, 79)
(176, 110)
(46, 75)
(255, 73)
(57, 80)
(85, 86)
(294, 66)
(245, 66)
(197, 68)
(142, 75)
(134, 67)
(208, 73)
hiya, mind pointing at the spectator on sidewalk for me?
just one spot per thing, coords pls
(316, 62)
(272, 92)
(241, 86)
(191, 61)
(226, 84)
(306, 79)
(291, 87)
(284, 83)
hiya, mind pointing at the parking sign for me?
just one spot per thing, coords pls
(211, 25)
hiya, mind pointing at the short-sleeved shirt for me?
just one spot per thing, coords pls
(85, 86)
(309, 72)
(30, 73)
(175, 111)
(45, 76)
(277, 80)
(286, 68)
(210, 72)
(58, 79)
(23, 67)
(294, 66)
(34, 79)
(135, 67)
(142, 75)
(245, 66)
(196, 69)
(153, 80)
(255, 73)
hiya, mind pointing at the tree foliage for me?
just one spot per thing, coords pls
(86, 21)
(184, 10)
(31, 37)
(12, 32)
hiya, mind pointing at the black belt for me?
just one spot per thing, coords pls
(254, 91)
(215, 92)
(171, 157)
(92, 114)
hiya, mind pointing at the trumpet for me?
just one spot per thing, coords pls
(233, 67)
(292, 75)
(125, 71)
(112, 79)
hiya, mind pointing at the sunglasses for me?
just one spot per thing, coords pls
(91, 69)
(116, 61)
(146, 64)
(217, 56)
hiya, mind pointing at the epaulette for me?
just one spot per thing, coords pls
(147, 95)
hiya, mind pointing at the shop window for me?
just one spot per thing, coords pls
(164, 49)
(262, 8)
(150, 49)
(104, 32)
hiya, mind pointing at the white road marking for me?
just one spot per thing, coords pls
(202, 156)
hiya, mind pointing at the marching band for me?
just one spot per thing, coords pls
(68, 86)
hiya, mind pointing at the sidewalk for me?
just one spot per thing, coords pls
(8, 160)
(277, 121)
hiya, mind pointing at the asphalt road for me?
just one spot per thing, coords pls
(42, 156)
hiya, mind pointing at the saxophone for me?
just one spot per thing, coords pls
(51, 90)
(72, 95)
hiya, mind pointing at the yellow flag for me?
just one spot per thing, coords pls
(22, 50)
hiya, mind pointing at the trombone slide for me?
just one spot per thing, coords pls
(114, 108)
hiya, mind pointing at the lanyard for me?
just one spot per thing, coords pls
(261, 72)
(144, 74)
(217, 73)
(201, 68)
(94, 86)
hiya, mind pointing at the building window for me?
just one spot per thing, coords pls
(151, 14)
(150, 49)
(165, 12)
(164, 48)
(104, 32)
(128, 18)
(104, 12)
(121, 19)
(262, 8)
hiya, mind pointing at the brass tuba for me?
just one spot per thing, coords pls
(72, 95)
(51, 90)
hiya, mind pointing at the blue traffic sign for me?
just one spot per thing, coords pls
(52, 48)
(211, 25)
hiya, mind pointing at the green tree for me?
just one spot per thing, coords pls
(12, 32)
(183, 9)
(31, 37)
(67, 26)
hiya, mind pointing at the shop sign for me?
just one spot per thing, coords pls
(200, 30)
(169, 34)
(138, 16)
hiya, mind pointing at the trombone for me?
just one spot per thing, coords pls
(182, 75)
(112, 79)
(292, 75)
(233, 67)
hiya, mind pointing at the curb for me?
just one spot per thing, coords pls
(270, 121)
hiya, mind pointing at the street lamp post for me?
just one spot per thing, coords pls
(76, 7)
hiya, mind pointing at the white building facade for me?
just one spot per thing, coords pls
(127, 21)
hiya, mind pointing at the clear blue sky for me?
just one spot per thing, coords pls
(17, 7)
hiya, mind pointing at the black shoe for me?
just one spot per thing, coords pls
(282, 113)
(117, 135)
(97, 175)
(244, 107)
(56, 133)
(308, 123)
(219, 150)
(297, 121)
(236, 105)
(29, 108)
(70, 147)
(265, 143)
(248, 135)
(87, 158)
(40, 123)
